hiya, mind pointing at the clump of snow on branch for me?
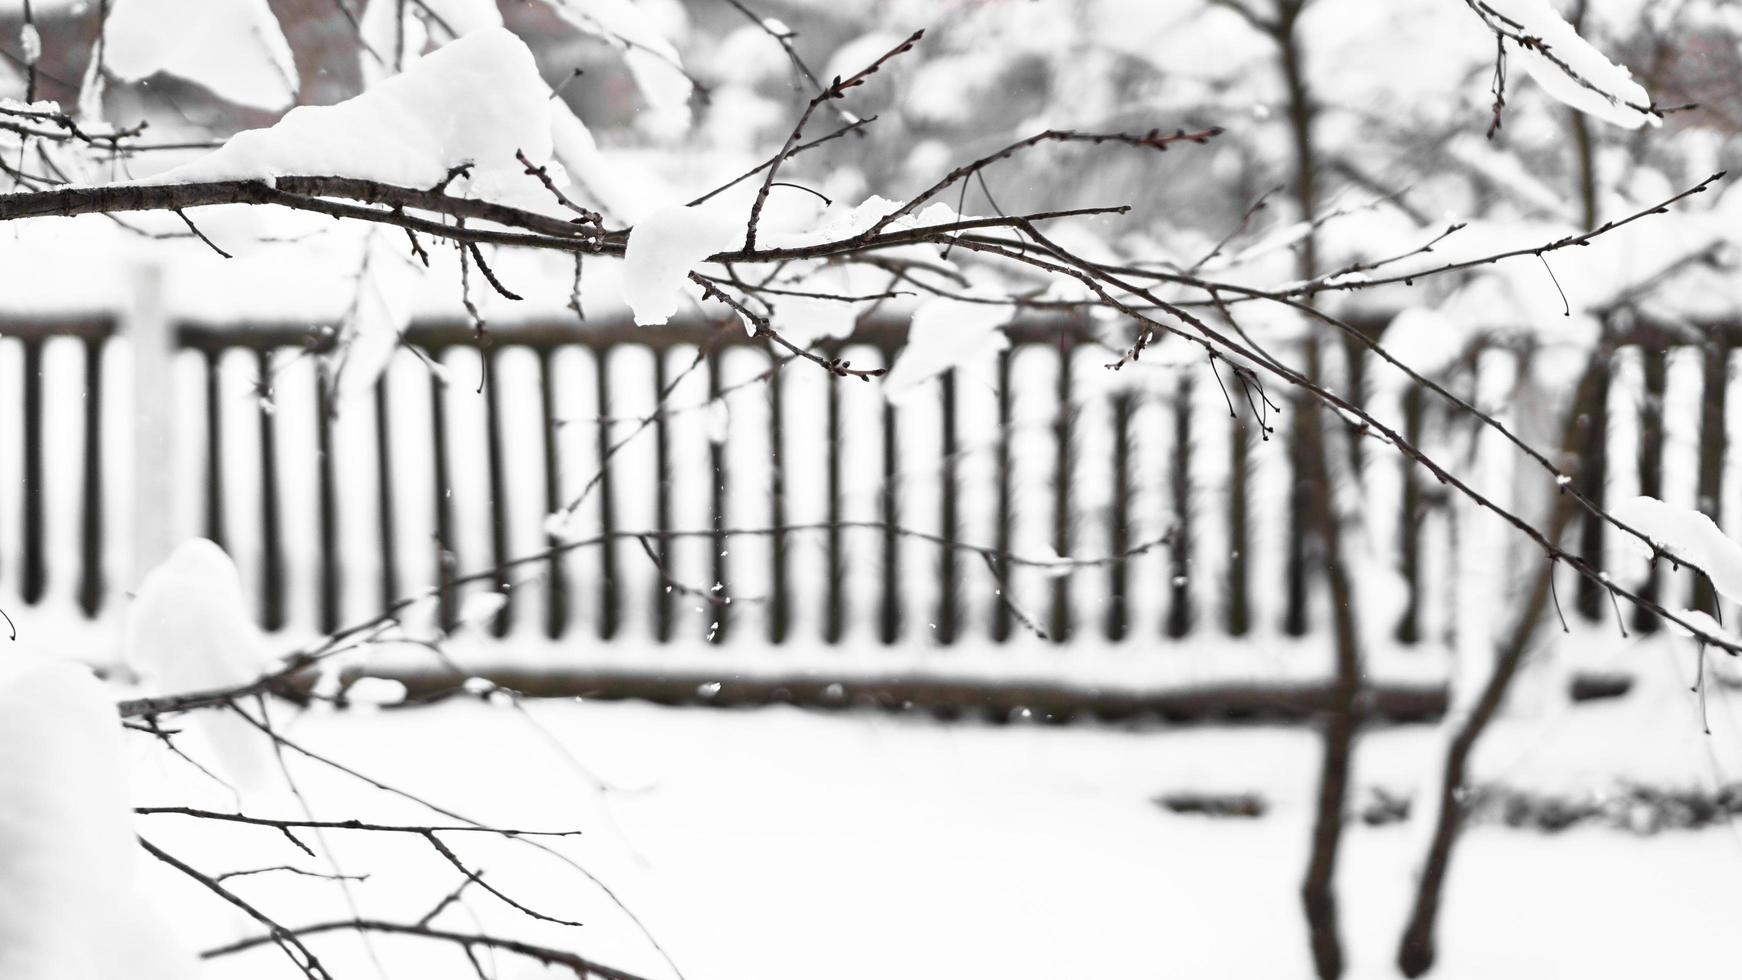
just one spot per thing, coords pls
(233, 47)
(1034, 548)
(70, 908)
(1704, 622)
(474, 102)
(188, 630)
(1611, 95)
(1690, 536)
(804, 320)
(479, 607)
(375, 691)
(663, 247)
(840, 222)
(945, 334)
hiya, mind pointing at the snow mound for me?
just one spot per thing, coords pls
(475, 101)
(69, 906)
(189, 630)
(233, 47)
(189, 627)
(1689, 536)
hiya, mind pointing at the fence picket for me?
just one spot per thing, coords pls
(1593, 481)
(463, 508)
(1189, 524)
(860, 438)
(558, 599)
(92, 576)
(356, 470)
(629, 376)
(332, 570)
(922, 568)
(1149, 507)
(408, 516)
(947, 615)
(1034, 469)
(805, 454)
(1095, 502)
(692, 420)
(32, 563)
(295, 421)
(976, 493)
(60, 483)
(12, 465)
(518, 484)
(574, 384)
(119, 454)
(497, 487)
(1064, 478)
(1655, 369)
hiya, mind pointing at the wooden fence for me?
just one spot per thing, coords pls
(333, 514)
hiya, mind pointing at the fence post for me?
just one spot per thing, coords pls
(152, 338)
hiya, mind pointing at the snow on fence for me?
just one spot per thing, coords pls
(333, 515)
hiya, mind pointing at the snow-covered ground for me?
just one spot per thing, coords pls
(775, 843)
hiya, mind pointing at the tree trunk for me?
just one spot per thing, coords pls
(1318, 889)
(1416, 952)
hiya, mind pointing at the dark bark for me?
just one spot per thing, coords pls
(1416, 952)
(1318, 893)
(1318, 889)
